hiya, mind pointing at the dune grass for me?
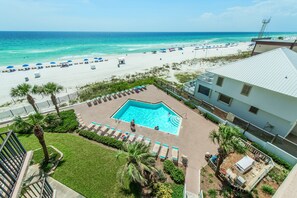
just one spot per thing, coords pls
(87, 167)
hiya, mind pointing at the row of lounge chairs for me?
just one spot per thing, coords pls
(162, 151)
(159, 149)
(120, 94)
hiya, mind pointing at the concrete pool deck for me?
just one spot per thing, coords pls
(192, 140)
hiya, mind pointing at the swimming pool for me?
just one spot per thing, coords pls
(150, 115)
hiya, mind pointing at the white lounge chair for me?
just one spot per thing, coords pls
(156, 149)
(97, 127)
(139, 138)
(147, 141)
(175, 153)
(131, 138)
(109, 132)
(104, 128)
(91, 126)
(164, 152)
(116, 134)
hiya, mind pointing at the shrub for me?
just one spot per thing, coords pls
(162, 190)
(211, 118)
(68, 123)
(268, 189)
(108, 141)
(212, 193)
(189, 104)
(275, 158)
(176, 174)
(178, 190)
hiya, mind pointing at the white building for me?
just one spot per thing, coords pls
(261, 89)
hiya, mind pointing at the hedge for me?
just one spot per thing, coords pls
(189, 104)
(68, 123)
(176, 174)
(108, 141)
(275, 158)
(211, 118)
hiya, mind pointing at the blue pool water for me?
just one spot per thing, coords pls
(150, 115)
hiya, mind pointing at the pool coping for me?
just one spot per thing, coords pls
(179, 126)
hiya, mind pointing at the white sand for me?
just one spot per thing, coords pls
(78, 75)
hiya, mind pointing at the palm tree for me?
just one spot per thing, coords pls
(227, 138)
(52, 89)
(36, 122)
(139, 166)
(24, 90)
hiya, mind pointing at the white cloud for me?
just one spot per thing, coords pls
(248, 18)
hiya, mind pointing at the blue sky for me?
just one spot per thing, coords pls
(147, 15)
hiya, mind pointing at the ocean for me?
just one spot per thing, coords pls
(31, 47)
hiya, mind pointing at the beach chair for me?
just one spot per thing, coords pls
(156, 149)
(97, 127)
(131, 91)
(114, 95)
(119, 94)
(104, 128)
(91, 126)
(82, 124)
(89, 103)
(174, 153)
(127, 92)
(123, 93)
(99, 100)
(109, 97)
(164, 152)
(131, 138)
(144, 87)
(104, 98)
(124, 136)
(109, 132)
(139, 138)
(95, 102)
(147, 141)
(117, 134)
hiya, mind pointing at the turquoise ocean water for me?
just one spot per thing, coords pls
(32, 47)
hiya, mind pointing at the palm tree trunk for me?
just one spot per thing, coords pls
(221, 158)
(38, 132)
(32, 102)
(54, 100)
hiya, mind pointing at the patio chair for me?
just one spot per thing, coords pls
(109, 97)
(123, 93)
(127, 92)
(144, 87)
(156, 149)
(104, 98)
(119, 94)
(147, 141)
(89, 103)
(131, 91)
(99, 100)
(139, 138)
(82, 125)
(97, 127)
(95, 102)
(174, 153)
(114, 95)
(109, 132)
(104, 128)
(116, 134)
(91, 126)
(164, 152)
(131, 138)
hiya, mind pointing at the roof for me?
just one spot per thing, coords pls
(276, 41)
(245, 163)
(275, 70)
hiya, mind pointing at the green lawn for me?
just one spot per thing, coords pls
(88, 168)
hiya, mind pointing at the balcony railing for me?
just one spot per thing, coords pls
(38, 189)
(12, 155)
(206, 77)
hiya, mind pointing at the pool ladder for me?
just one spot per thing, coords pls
(174, 120)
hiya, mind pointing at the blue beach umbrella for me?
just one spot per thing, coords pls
(52, 63)
(96, 58)
(86, 59)
(38, 63)
(25, 65)
(100, 58)
(69, 61)
(9, 67)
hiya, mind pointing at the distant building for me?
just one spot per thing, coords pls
(261, 89)
(267, 45)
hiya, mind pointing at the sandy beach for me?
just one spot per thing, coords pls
(78, 75)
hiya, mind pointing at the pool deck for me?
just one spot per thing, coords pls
(192, 140)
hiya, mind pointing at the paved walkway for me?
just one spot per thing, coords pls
(193, 139)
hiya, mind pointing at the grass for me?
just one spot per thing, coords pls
(184, 77)
(88, 168)
(4, 129)
(229, 58)
(39, 156)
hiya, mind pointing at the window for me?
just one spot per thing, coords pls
(246, 89)
(225, 99)
(220, 81)
(253, 110)
(203, 90)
